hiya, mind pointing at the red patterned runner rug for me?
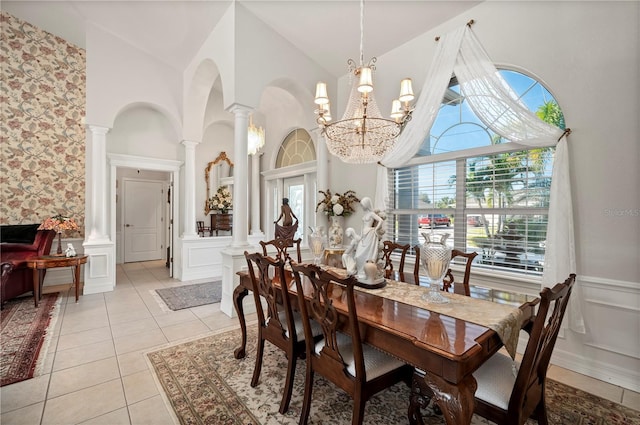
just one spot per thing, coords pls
(23, 331)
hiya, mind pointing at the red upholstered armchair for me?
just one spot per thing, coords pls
(18, 279)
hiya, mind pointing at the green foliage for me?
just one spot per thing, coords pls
(550, 113)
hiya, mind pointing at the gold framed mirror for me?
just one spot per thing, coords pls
(214, 171)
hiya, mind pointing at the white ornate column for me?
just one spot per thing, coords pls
(240, 177)
(189, 218)
(97, 167)
(100, 270)
(233, 259)
(255, 194)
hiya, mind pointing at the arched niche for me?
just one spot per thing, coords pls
(218, 172)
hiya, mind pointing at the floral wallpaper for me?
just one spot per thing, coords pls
(42, 138)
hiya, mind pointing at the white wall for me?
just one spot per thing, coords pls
(118, 75)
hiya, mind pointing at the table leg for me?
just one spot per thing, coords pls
(76, 279)
(36, 286)
(455, 401)
(238, 295)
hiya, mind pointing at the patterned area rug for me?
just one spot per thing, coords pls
(204, 384)
(187, 296)
(24, 336)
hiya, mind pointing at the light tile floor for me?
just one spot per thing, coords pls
(96, 372)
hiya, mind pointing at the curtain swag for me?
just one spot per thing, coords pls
(496, 105)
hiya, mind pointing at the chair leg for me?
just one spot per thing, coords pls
(541, 412)
(288, 383)
(258, 367)
(306, 403)
(418, 400)
(358, 409)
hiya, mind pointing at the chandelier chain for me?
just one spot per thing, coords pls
(361, 32)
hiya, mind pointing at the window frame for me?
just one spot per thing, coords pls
(461, 211)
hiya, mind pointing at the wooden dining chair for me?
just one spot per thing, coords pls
(200, 227)
(282, 245)
(449, 282)
(389, 249)
(416, 265)
(342, 358)
(277, 324)
(506, 398)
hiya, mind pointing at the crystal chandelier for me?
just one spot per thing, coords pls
(255, 138)
(363, 135)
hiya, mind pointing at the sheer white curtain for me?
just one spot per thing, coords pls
(495, 104)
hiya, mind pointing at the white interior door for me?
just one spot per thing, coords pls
(143, 208)
(294, 190)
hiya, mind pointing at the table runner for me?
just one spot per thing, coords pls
(504, 319)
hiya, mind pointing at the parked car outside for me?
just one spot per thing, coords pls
(438, 219)
(474, 220)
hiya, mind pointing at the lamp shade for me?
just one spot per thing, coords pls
(406, 90)
(366, 80)
(396, 109)
(321, 94)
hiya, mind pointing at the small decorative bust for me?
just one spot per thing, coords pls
(70, 251)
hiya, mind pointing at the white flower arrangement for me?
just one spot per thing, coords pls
(337, 204)
(221, 200)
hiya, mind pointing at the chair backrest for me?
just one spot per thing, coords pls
(320, 285)
(282, 245)
(449, 281)
(262, 279)
(388, 249)
(416, 265)
(543, 333)
(200, 227)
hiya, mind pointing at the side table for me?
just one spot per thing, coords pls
(52, 261)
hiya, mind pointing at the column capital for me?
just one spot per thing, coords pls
(238, 109)
(190, 143)
(97, 129)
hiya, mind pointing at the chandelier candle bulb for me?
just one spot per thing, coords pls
(326, 110)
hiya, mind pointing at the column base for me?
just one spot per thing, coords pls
(100, 270)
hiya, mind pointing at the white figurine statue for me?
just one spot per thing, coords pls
(70, 251)
(367, 248)
(349, 255)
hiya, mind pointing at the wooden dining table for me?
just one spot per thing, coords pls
(447, 349)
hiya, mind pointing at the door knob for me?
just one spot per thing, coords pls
(128, 225)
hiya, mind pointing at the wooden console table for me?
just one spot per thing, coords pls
(39, 264)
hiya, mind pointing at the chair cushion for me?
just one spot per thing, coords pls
(376, 363)
(496, 379)
(316, 329)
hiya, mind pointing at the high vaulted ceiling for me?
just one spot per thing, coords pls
(172, 31)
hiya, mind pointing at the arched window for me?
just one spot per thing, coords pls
(296, 148)
(294, 179)
(494, 193)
